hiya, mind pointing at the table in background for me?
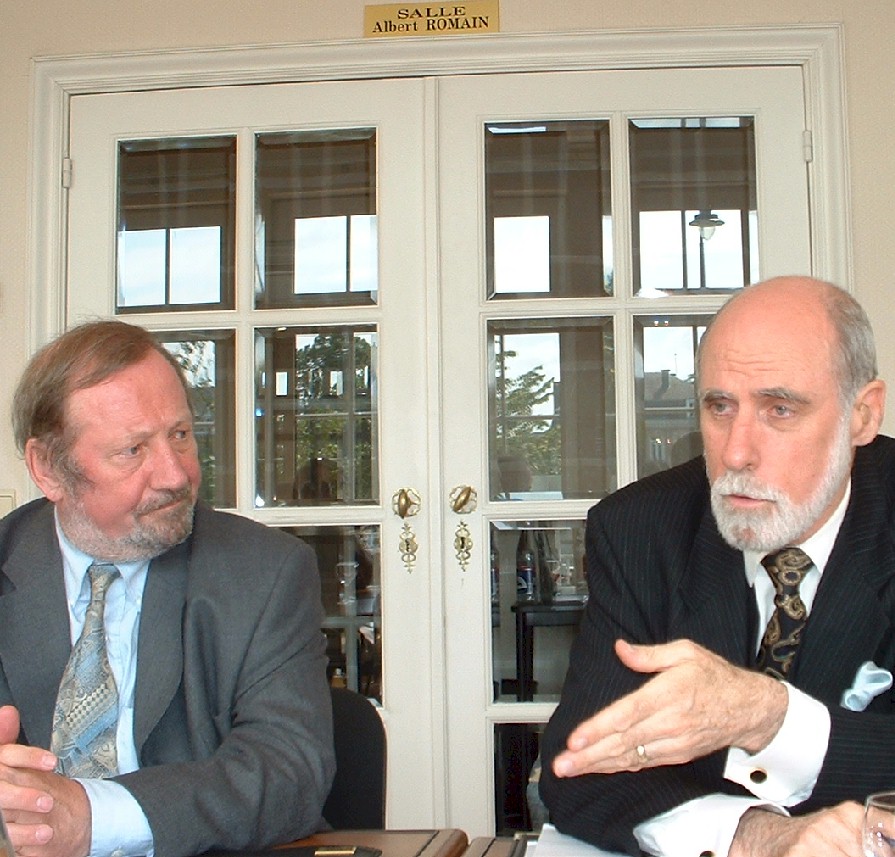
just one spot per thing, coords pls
(395, 843)
(531, 615)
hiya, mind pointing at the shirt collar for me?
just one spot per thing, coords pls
(818, 547)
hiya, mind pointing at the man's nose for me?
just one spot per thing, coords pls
(741, 446)
(169, 467)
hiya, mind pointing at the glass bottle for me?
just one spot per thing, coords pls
(525, 568)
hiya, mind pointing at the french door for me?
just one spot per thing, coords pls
(429, 322)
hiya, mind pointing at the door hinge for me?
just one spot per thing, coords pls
(66, 173)
(807, 146)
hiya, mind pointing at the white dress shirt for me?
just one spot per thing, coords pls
(119, 827)
(793, 759)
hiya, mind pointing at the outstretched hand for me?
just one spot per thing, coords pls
(695, 703)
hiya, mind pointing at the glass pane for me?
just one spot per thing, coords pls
(208, 359)
(538, 593)
(551, 408)
(695, 215)
(176, 223)
(548, 209)
(665, 385)
(315, 415)
(517, 804)
(315, 222)
(348, 560)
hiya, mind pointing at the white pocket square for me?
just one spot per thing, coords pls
(870, 681)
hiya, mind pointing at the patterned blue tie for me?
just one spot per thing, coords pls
(86, 715)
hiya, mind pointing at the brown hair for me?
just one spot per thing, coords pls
(80, 358)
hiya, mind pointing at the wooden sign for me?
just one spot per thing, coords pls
(431, 19)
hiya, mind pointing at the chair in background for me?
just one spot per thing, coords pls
(357, 798)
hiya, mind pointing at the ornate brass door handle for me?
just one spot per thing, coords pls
(405, 504)
(463, 500)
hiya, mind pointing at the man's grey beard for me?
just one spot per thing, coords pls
(784, 522)
(148, 538)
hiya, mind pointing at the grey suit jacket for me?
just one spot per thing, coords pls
(232, 713)
(658, 570)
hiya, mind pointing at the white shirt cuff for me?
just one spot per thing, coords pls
(785, 772)
(119, 827)
(705, 825)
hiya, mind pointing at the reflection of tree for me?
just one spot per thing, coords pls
(333, 420)
(196, 358)
(519, 429)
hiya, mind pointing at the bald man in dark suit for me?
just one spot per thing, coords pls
(667, 740)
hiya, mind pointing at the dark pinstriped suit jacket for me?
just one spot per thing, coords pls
(232, 710)
(658, 571)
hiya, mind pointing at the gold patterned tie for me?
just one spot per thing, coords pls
(86, 715)
(786, 568)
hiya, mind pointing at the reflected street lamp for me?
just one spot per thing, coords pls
(706, 222)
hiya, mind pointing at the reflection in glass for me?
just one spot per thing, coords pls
(208, 360)
(315, 221)
(551, 408)
(538, 592)
(517, 804)
(176, 223)
(548, 209)
(694, 204)
(315, 415)
(351, 588)
(667, 408)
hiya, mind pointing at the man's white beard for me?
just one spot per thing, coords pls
(783, 522)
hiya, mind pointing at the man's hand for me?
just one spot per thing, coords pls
(9, 724)
(68, 820)
(47, 814)
(833, 832)
(695, 703)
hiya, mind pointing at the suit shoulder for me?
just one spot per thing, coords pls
(233, 534)
(228, 552)
(24, 523)
(237, 541)
(873, 473)
(681, 491)
(879, 454)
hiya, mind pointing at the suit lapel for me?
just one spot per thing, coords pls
(715, 599)
(35, 638)
(160, 646)
(848, 621)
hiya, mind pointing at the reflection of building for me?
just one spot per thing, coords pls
(669, 415)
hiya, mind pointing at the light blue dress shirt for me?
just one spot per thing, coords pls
(119, 826)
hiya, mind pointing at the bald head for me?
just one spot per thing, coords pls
(811, 314)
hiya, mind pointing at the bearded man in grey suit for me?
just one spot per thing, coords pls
(212, 624)
(667, 739)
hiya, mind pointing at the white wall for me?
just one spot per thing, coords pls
(32, 28)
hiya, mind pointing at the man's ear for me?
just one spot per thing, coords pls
(868, 412)
(42, 472)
